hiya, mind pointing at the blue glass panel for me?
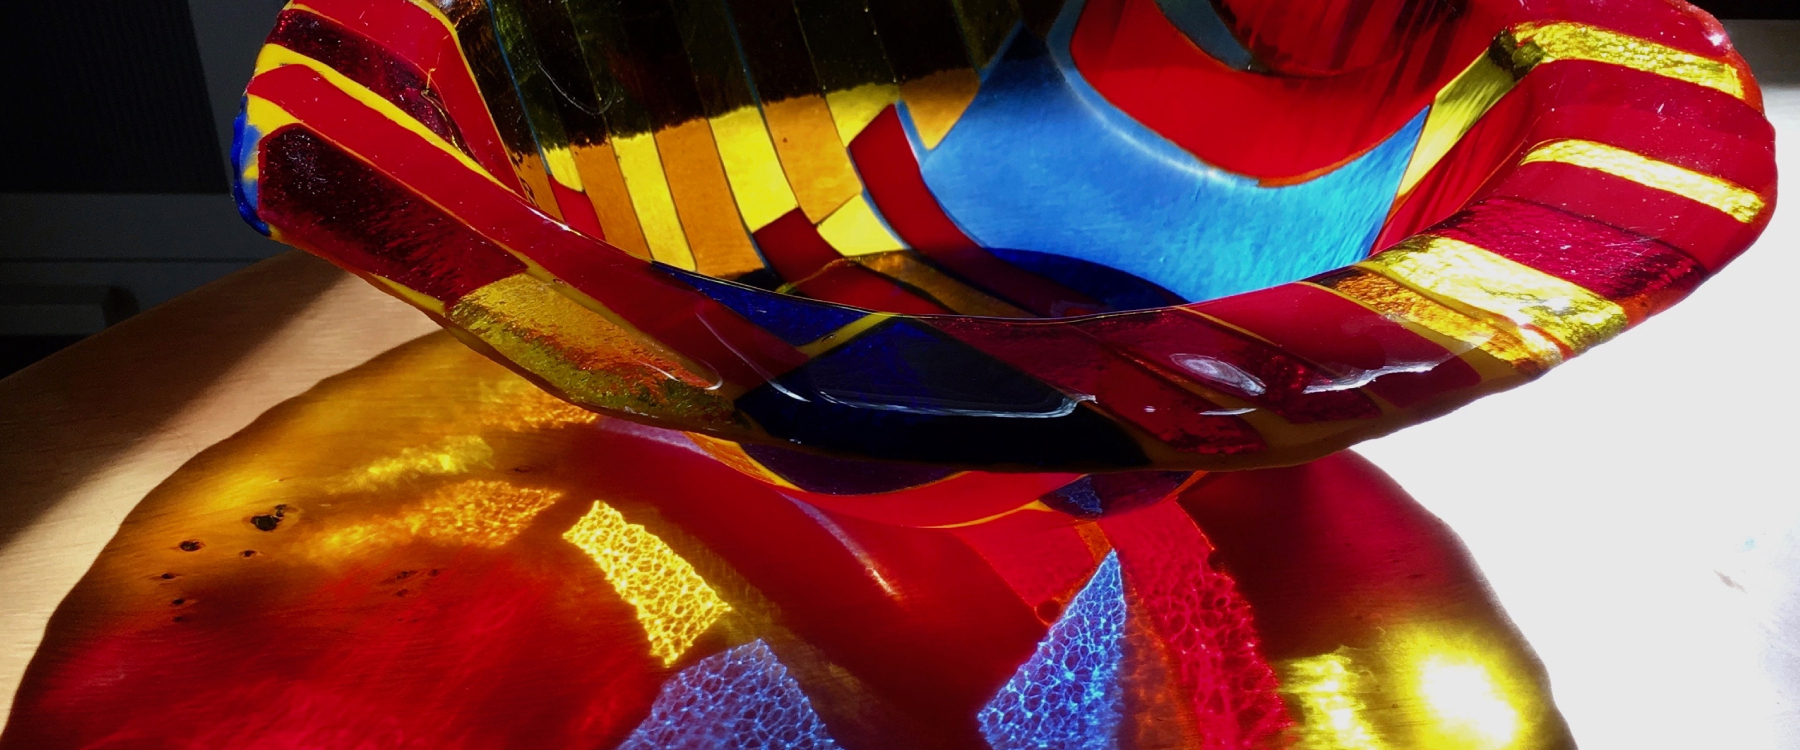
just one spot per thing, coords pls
(794, 320)
(905, 391)
(1041, 162)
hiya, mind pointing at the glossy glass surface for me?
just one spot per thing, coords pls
(905, 374)
(826, 224)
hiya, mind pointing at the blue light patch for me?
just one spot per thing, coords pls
(742, 699)
(1067, 696)
(1041, 162)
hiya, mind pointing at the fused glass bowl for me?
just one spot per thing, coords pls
(1085, 235)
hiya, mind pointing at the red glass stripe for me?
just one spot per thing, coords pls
(367, 63)
(577, 210)
(1487, 148)
(331, 204)
(1077, 364)
(1351, 343)
(1709, 236)
(1737, 159)
(1279, 128)
(1188, 346)
(413, 34)
(890, 170)
(668, 311)
(1284, 35)
(1642, 275)
(797, 253)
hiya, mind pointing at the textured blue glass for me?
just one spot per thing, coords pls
(1041, 162)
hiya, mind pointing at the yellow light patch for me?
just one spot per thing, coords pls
(1331, 693)
(674, 604)
(854, 108)
(592, 360)
(1574, 41)
(1739, 202)
(475, 512)
(1468, 703)
(450, 456)
(642, 166)
(1454, 113)
(856, 230)
(1460, 273)
(757, 181)
(412, 296)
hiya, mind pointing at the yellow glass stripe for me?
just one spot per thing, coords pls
(937, 101)
(611, 198)
(853, 109)
(274, 56)
(1457, 108)
(703, 201)
(1739, 202)
(838, 337)
(757, 181)
(817, 165)
(267, 117)
(412, 296)
(1574, 41)
(591, 360)
(642, 166)
(1460, 273)
(452, 455)
(674, 604)
(856, 230)
(1523, 350)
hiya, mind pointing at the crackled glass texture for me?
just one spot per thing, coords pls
(876, 374)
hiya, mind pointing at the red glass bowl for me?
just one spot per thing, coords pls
(1085, 235)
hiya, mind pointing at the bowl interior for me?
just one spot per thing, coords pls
(1042, 159)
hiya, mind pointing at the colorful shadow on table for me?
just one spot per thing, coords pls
(429, 552)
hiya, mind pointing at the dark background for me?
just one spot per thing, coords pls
(113, 185)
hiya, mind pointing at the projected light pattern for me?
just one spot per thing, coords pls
(1068, 695)
(742, 699)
